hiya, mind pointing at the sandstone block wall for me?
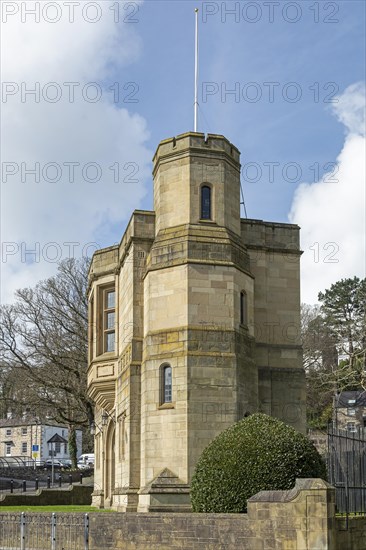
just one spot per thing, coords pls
(274, 253)
(182, 165)
(350, 533)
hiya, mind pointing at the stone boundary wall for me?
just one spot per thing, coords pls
(302, 518)
(75, 494)
(159, 531)
(299, 519)
(351, 534)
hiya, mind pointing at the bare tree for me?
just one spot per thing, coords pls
(320, 359)
(43, 338)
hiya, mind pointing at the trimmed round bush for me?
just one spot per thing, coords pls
(256, 454)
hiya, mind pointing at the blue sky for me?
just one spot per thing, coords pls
(315, 50)
(233, 52)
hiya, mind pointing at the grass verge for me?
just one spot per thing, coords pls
(58, 509)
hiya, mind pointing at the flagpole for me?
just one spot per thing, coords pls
(196, 73)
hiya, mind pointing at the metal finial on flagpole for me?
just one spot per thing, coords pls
(196, 73)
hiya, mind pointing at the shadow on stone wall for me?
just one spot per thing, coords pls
(75, 494)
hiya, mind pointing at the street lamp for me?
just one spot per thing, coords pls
(56, 438)
(105, 417)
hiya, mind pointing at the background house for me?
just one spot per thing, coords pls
(350, 410)
(20, 437)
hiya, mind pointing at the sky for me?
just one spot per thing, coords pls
(89, 89)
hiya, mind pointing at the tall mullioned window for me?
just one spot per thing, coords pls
(166, 384)
(91, 328)
(205, 202)
(109, 316)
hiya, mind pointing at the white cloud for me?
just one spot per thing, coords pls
(63, 132)
(331, 212)
(350, 109)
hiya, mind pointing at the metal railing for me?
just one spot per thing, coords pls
(32, 486)
(347, 469)
(44, 532)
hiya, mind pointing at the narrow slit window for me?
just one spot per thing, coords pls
(122, 429)
(205, 202)
(243, 308)
(166, 393)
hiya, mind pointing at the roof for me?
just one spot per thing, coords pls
(29, 421)
(57, 439)
(344, 398)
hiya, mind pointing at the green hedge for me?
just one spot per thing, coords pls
(256, 454)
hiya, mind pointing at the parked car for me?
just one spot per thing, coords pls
(67, 463)
(56, 464)
(86, 461)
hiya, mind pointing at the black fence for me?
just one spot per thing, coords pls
(347, 469)
(17, 485)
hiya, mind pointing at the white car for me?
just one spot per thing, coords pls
(86, 461)
(83, 466)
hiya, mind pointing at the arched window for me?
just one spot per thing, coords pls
(166, 384)
(205, 202)
(243, 308)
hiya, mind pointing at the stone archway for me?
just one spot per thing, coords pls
(110, 464)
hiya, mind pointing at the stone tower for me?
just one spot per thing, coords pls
(194, 323)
